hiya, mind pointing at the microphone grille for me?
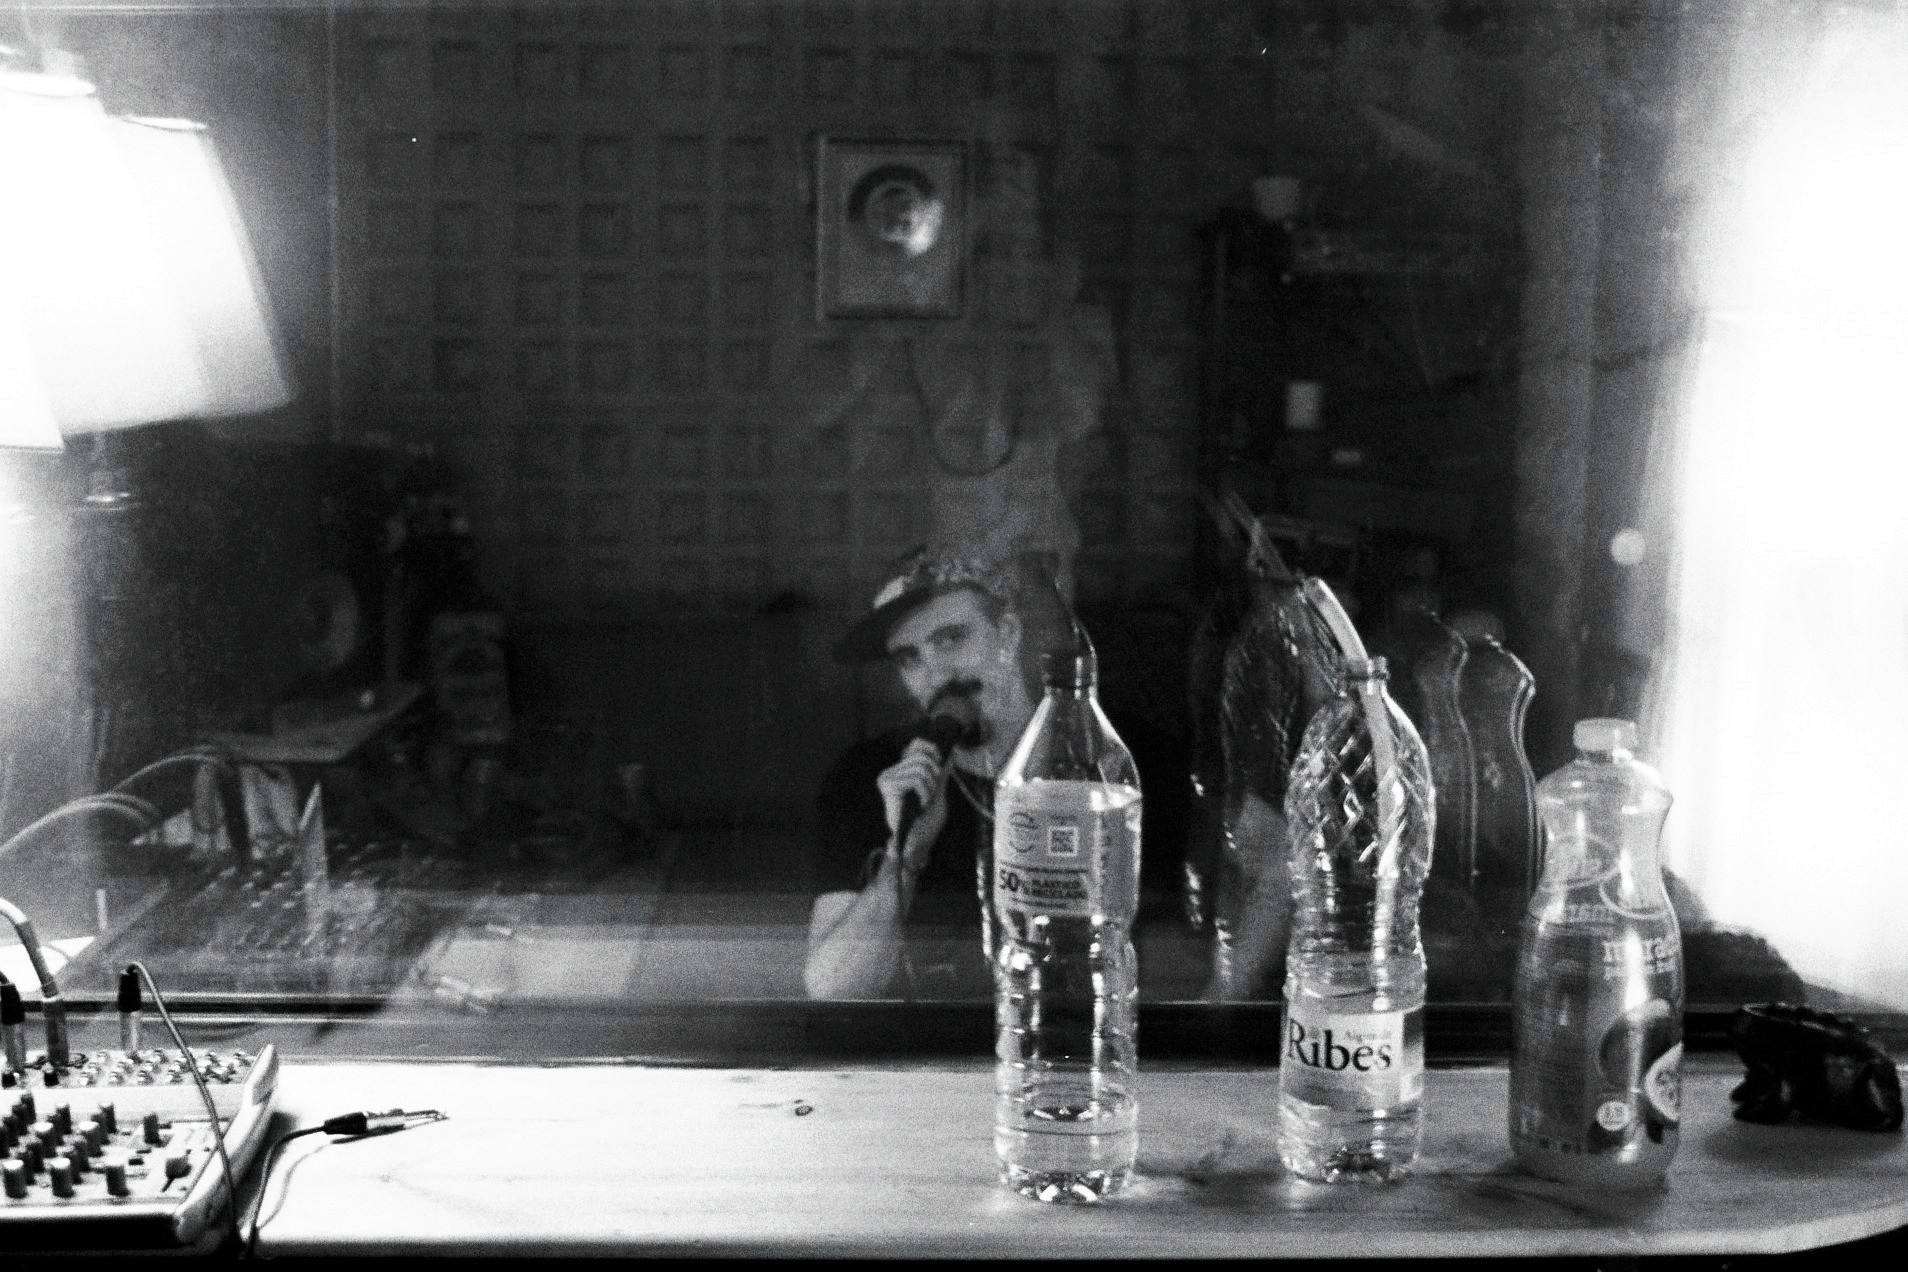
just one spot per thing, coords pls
(950, 722)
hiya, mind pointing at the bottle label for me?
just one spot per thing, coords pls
(1371, 1060)
(1051, 858)
(1597, 1043)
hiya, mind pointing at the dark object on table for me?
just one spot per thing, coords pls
(1815, 1063)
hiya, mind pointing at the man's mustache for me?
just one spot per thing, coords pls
(967, 687)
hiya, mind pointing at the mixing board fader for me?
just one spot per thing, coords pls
(115, 1149)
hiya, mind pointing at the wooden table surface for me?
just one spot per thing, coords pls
(608, 1158)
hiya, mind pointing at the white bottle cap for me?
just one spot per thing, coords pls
(1604, 735)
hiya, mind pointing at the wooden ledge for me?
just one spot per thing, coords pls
(631, 1160)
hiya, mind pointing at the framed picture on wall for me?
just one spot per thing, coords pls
(891, 233)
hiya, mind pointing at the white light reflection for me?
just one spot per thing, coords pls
(129, 273)
(26, 417)
(207, 260)
(110, 344)
(1786, 729)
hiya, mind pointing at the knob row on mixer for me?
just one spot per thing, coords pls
(59, 1153)
(157, 1068)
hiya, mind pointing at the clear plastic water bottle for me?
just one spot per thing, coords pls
(1065, 889)
(1362, 814)
(1597, 1007)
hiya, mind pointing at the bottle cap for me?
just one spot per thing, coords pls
(1604, 735)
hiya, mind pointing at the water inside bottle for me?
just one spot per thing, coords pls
(1337, 1140)
(1063, 1141)
(1065, 1123)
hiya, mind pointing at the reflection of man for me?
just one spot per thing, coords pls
(906, 918)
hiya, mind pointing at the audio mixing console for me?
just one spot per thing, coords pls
(115, 1150)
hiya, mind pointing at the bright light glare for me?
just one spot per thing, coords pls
(207, 260)
(26, 418)
(1822, 219)
(1786, 725)
(128, 268)
(111, 347)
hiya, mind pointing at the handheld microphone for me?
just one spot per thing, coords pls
(950, 720)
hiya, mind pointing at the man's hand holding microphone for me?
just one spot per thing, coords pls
(914, 787)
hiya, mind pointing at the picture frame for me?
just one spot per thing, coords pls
(891, 228)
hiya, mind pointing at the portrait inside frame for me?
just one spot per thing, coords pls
(892, 228)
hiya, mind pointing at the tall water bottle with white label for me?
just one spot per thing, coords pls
(1361, 809)
(1065, 889)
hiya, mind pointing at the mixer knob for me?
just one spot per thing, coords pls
(116, 1180)
(16, 1178)
(95, 1132)
(178, 1165)
(149, 1129)
(46, 1135)
(63, 1118)
(109, 1118)
(30, 1154)
(76, 1152)
(60, 1174)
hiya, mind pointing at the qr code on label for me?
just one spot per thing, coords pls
(1063, 841)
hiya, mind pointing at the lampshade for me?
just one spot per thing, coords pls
(208, 262)
(26, 418)
(111, 346)
(128, 268)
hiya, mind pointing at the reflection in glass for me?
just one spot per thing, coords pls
(538, 598)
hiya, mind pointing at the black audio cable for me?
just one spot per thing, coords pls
(347, 1126)
(52, 1006)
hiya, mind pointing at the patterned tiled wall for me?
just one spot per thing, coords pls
(578, 254)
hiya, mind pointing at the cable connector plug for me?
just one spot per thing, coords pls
(380, 1123)
(130, 1008)
(129, 998)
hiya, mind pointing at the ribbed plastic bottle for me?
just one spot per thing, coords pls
(1065, 889)
(1362, 814)
(1597, 1007)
